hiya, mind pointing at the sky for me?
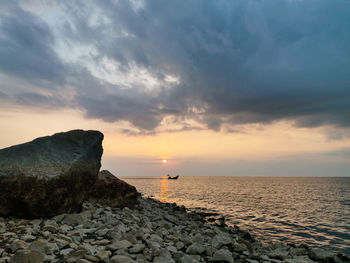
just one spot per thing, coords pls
(243, 87)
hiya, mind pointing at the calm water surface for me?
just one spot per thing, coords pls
(315, 211)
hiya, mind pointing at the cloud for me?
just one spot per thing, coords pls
(26, 46)
(342, 152)
(215, 62)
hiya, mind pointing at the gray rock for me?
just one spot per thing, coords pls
(298, 259)
(121, 259)
(172, 249)
(223, 255)
(179, 245)
(278, 253)
(103, 255)
(221, 240)
(156, 238)
(41, 246)
(198, 238)
(163, 259)
(49, 175)
(111, 191)
(17, 244)
(75, 255)
(187, 259)
(195, 249)
(91, 258)
(27, 256)
(239, 247)
(28, 238)
(102, 232)
(83, 261)
(122, 244)
(65, 228)
(321, 255)
(138, 248)
(66, 251)
(73, 219)
(61, 243)
(50, 228)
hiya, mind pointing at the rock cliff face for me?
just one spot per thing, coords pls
(50, 175)
(111, 191)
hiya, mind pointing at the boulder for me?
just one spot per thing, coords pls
(50, 175)
(111, 191)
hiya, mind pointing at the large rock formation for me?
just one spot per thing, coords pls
(49, 175)
(111, 191)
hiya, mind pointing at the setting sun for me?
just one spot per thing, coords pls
(164, 161)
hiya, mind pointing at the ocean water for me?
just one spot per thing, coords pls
(314, 211)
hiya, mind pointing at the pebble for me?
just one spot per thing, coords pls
(151, 232)
(27, 256)
(195, 248)
(121, 259)
(138, 248)
(223, 255)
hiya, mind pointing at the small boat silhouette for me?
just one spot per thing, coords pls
(173, 177)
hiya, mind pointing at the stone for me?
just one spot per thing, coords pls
(239, 247)
(74, 256)
(18, 244)
(27, 256)
(66, 251)
(83, 261)
(58, 218)
(221, 240)
(179, 245)
(198, 238)
(50, 175)
(187, 259)
(103, 242)
(172, 249)
(91, 258)
(73, 219)
(28, 238)
(122, 244)
(50, 228)
(102, 232)
(103, 255)
(40, 245)
(195, 249)
(61, 243)
(163, 259)
(320, 255)
(222, 255)
(121, 259)
(278, 253)
(138, 248)
(298, 259)
(111, 191)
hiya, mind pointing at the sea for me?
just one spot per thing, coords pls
(309, 210)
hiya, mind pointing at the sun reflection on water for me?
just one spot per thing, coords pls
(164, 189)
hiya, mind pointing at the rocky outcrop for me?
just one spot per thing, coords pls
(111, 191)
(49, 175)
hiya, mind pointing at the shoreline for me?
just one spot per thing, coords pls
(152, 231)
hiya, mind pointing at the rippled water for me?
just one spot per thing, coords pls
(315, 211)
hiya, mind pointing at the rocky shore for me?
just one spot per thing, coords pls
(57, 206)
(151, 231)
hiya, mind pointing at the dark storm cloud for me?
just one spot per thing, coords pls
(35, 99)
(238, 61)
(26, 46)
